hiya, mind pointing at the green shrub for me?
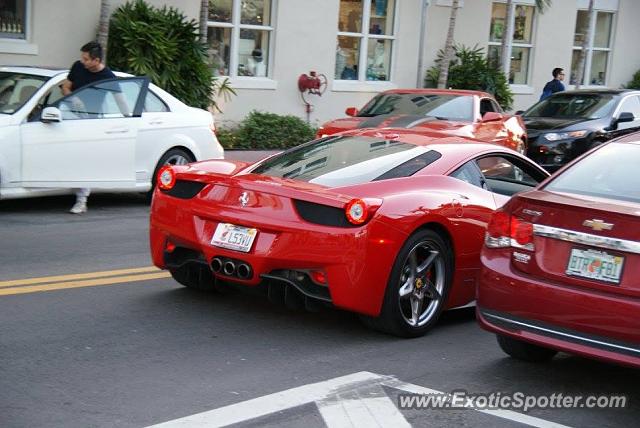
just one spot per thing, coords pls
(163, 45)
(261, 130)
(635, 81)
(470, 69)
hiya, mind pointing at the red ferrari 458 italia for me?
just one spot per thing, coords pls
(462, 113)
(385, 223)
(561, 264)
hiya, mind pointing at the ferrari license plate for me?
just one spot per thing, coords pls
(234, 237)
(596, 265)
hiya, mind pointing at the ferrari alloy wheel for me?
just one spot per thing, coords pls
(418, 286)
(421, 284)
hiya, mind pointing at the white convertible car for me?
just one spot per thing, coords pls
(111, 135)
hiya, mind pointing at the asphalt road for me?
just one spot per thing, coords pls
(130, 352)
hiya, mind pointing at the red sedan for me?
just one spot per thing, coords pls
(388, 224)
(561, 264)
(472, 114)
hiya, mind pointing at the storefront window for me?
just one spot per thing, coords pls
(13, 19)
(598, 48)
(368, 23)
(256, 12)
(239, 37)
(220, 10)
(521, 40)
(219, 49)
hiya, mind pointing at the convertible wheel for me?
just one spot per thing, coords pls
(172, 157)
(195, 277)
(418, 287)
(525, 351)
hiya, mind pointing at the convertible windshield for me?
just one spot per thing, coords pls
(573, 106)
(454, 107)
(343, 161)
(16, 89)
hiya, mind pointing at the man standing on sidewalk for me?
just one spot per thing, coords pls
(88, 69)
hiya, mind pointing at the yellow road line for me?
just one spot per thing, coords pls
(85, 283)
(76, 276)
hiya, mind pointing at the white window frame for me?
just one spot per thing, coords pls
(21, 46)
(518, 88)
(590, 49)
(362, 84)
(248, 82)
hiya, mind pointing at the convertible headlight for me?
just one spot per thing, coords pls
(556, 136)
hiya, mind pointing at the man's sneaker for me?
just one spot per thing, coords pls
(79, 208)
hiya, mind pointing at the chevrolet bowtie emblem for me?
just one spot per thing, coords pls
(244, 199)
(597, 224)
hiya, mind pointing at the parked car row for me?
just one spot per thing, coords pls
(401, 212)
(423, 201)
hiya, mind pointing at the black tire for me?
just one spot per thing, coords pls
(171, 157)
(524, 351)
(195, 277)
(423, 271)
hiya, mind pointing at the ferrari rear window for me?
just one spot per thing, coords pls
(610, 172)
(442, 106)
(348, 160)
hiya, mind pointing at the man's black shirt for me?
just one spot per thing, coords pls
(80, 76)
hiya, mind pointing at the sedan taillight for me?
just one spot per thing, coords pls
(505, 230)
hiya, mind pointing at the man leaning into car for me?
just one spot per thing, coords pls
(88, 69)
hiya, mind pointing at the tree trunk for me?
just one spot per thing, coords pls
(448, 47)
(507, 38)
(585, 44)
(103, 27)
(204, 17)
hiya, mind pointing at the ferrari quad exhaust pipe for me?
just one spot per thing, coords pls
(229, 268)
(216, 264)
(243, 271)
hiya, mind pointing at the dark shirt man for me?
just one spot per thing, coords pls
(89, 69)
(554, 85)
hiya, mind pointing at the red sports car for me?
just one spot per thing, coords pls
(388, 224)
(461, 113)
(561, 264)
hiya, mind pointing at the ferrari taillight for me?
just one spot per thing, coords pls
(360, 211)
(166, 178)
(505, 230)
(356, 211)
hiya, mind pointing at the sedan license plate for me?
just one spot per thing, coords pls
(596, 265)
(234, 237)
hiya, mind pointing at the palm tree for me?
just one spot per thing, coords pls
(448, 46)
(585, 45)
(103, 26)
(507, 34)
(204, 17)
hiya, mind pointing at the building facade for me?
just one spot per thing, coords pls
(361, 46)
